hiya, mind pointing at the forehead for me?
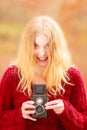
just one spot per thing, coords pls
(41, 38)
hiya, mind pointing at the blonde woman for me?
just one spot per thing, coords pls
(43, 59)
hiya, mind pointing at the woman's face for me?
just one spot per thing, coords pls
(41, 45)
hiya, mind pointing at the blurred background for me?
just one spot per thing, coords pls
(70, 14)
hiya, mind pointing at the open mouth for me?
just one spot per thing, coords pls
(42, 59)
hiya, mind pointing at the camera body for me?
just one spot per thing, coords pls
(40, 98)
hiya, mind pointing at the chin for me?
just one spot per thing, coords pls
(42, 64)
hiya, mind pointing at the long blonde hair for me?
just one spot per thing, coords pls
(59, 57)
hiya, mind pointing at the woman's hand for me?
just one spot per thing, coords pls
(28, 109)
(56, 105)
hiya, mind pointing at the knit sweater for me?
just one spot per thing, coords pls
(74, 116)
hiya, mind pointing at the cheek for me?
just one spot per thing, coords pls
(35, 52)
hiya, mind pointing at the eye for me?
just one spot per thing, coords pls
(47, 46)
(35, 45)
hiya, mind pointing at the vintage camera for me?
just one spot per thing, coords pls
(40, 98)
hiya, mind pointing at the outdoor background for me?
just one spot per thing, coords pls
(70, 14)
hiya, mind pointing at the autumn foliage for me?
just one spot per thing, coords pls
(70, 14)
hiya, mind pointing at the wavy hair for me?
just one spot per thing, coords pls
(59, 59)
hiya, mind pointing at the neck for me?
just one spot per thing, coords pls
(39, 70)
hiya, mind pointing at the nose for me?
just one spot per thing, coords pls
(42, 52)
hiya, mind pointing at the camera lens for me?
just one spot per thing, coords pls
(39, 109)
(39, 100)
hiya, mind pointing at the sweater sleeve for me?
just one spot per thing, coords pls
(9, 116)
(75, 114)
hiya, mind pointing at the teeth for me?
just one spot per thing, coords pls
(42, 58)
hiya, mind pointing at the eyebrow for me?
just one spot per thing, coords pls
(37, 43)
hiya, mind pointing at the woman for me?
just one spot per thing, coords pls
(43, 58)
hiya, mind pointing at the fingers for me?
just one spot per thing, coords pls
(56, 105)
(28, 105)
(28, 109)
(52, 103)
(26, 115)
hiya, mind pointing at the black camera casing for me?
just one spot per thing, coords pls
(40, 98)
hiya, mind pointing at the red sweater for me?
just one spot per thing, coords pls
(74, 117)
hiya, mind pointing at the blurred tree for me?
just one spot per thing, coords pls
(71, 15)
